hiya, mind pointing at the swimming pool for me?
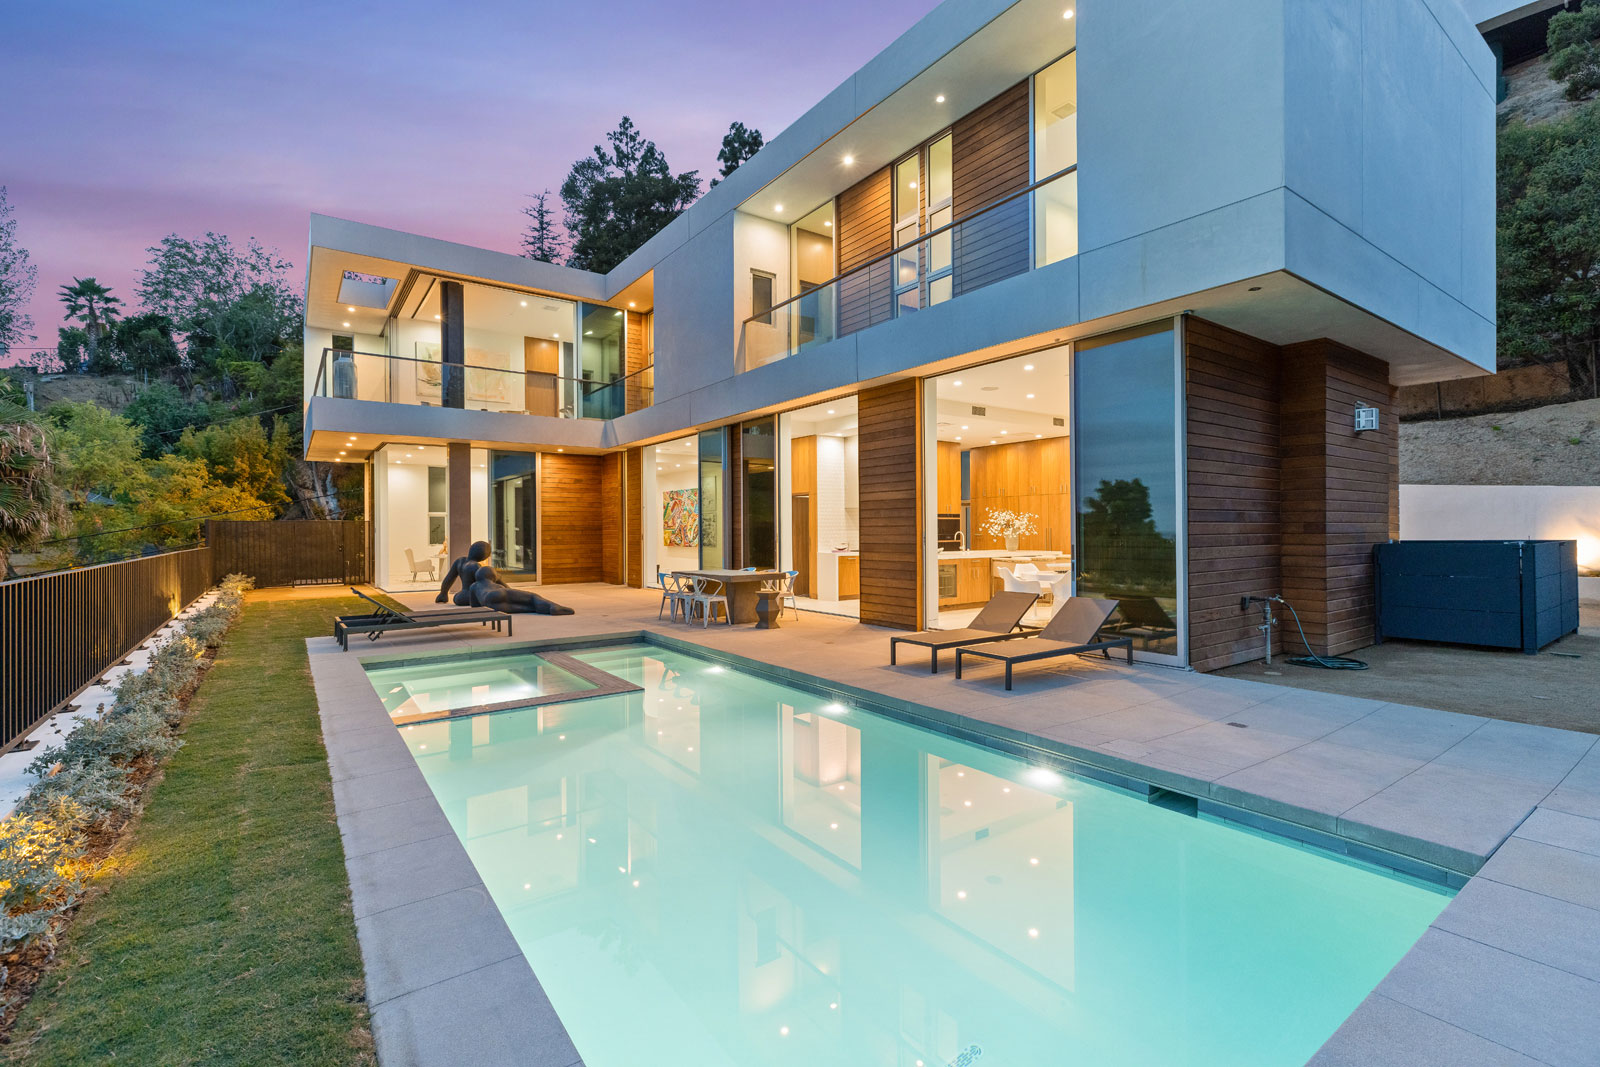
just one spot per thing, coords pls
(720, 869)
(417, 689)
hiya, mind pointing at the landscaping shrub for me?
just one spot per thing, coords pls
(90, 781)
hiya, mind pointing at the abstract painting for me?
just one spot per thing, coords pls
(680, 518)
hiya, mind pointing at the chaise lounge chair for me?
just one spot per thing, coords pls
(1073, 631)
(383, 619)
(997, 621)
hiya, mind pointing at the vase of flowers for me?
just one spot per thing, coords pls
(1008, 525)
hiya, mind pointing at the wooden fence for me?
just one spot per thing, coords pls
(59, 632)
(284, 552)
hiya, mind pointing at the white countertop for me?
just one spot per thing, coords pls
(1001, 553)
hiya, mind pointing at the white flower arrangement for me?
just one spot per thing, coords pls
(999, 523)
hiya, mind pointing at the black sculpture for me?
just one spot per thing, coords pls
(481, 587)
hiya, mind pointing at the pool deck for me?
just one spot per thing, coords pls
(1509, 973)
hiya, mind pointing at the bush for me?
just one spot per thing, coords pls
(88, 778)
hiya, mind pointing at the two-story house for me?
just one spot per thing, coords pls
(1143, 273)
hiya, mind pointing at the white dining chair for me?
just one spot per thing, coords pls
(706, 595)
(673, 595)
(783, 586)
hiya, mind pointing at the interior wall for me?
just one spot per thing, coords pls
(659, 556)
(400, 512)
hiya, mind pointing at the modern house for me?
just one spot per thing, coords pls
(1145, 271)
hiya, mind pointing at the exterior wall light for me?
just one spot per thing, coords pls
(1366, 418)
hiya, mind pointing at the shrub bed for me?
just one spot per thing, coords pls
(88, 790)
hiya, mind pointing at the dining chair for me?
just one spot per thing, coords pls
(707, 594)
(1015, 584)
(788, 597)
(673, 595)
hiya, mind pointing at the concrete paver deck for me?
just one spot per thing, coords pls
(1422, 789)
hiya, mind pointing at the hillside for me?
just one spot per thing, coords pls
(1533, 447)
(1531, 95)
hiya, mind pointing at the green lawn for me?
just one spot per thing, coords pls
(222, 930)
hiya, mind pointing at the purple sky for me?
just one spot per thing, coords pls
(129, 121)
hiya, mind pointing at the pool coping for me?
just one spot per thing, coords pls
(402, 854)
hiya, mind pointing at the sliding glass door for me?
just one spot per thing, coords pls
(758, 460)
(1127, 484)
(713, 450)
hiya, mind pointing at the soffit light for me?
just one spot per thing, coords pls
(1067, 14)
(956, 382)
(939, 99)
(630, 303)
(849, 160)
(346, 324)
(828, 223)
(524, 303)
(778, 208)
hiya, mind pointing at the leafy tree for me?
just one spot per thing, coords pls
(92, 304)
(72, 347)
(620, 197)
(1574, 42)
(161, 413)
(97, 451)
(541, 240)
(254, 326)
(17, 278)
(190, 279)
(144, 343)
(179, 492)
(738, 144)
(241, 455)
(1548, 237)
(28, 503)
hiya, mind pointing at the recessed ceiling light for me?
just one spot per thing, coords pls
(555, 335)
(341, 453)
(964, 427)
(992, 441)
(830, 411)
(848, 160)
(436, 316)
(560, 450)
(349, 309)
(956, 382)
(1067, 14)
(630, 303)
(939, 99)
(1027, 366)
(524, 303)
(777, 207)
(346, 324)
(958, 437)
(1030, 396)
(1038, 435)
(913, 185)
(1004, 432)
(828, 223)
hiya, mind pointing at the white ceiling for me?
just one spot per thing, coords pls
(1021, 398)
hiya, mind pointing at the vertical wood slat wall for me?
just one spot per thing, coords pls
(636, 358)
(889, 474)
(1234, 499)
(989, 160)
(865, 223)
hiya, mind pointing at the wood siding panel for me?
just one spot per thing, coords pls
(570, 527)
(989, 161)
(1339, 489)
(636, 357)
(1235, 534)
(611, 530)
(633, 517)
(890, 476)
(866, 231)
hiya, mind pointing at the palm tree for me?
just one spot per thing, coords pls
(27, 500)
(93, 305)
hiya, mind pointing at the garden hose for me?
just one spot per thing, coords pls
(1311, 659)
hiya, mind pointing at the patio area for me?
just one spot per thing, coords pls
(1510, 810)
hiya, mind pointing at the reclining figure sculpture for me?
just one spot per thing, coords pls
(481, 587)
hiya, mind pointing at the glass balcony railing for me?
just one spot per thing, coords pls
(430, 383)
(1030, 228)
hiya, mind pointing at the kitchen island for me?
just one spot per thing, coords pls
(968, 578)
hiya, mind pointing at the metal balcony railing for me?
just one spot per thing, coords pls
(430, 383)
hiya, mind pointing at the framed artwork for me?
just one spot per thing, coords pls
(680, 518)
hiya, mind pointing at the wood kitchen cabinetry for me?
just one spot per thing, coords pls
(971, 582)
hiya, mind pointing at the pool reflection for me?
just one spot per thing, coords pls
(721, 870)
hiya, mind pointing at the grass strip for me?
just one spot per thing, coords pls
(221, 931)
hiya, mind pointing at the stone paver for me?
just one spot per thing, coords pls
(1417, 784)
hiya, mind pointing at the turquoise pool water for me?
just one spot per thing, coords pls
(413, 690)
(722, 870)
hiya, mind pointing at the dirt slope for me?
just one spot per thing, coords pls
(1554, 445)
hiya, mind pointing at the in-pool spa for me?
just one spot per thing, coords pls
(717, 869)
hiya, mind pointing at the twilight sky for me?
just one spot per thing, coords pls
(131, 119)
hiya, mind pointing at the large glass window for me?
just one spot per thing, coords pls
(1124, 434)
(600, 362)
(513, 512)
(1055, 148)
(907, 227)
(758, 452)
(711, 471)
(670, 490)
(940, 201)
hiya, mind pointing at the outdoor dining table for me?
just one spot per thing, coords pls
(741, 588)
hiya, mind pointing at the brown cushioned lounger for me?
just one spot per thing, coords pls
(381, 619)
(1074, 631)
(996, 622)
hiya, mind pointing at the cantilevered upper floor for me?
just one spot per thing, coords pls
(1004, 175)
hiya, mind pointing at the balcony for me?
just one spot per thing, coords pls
(429, 383)
(1022, 231)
